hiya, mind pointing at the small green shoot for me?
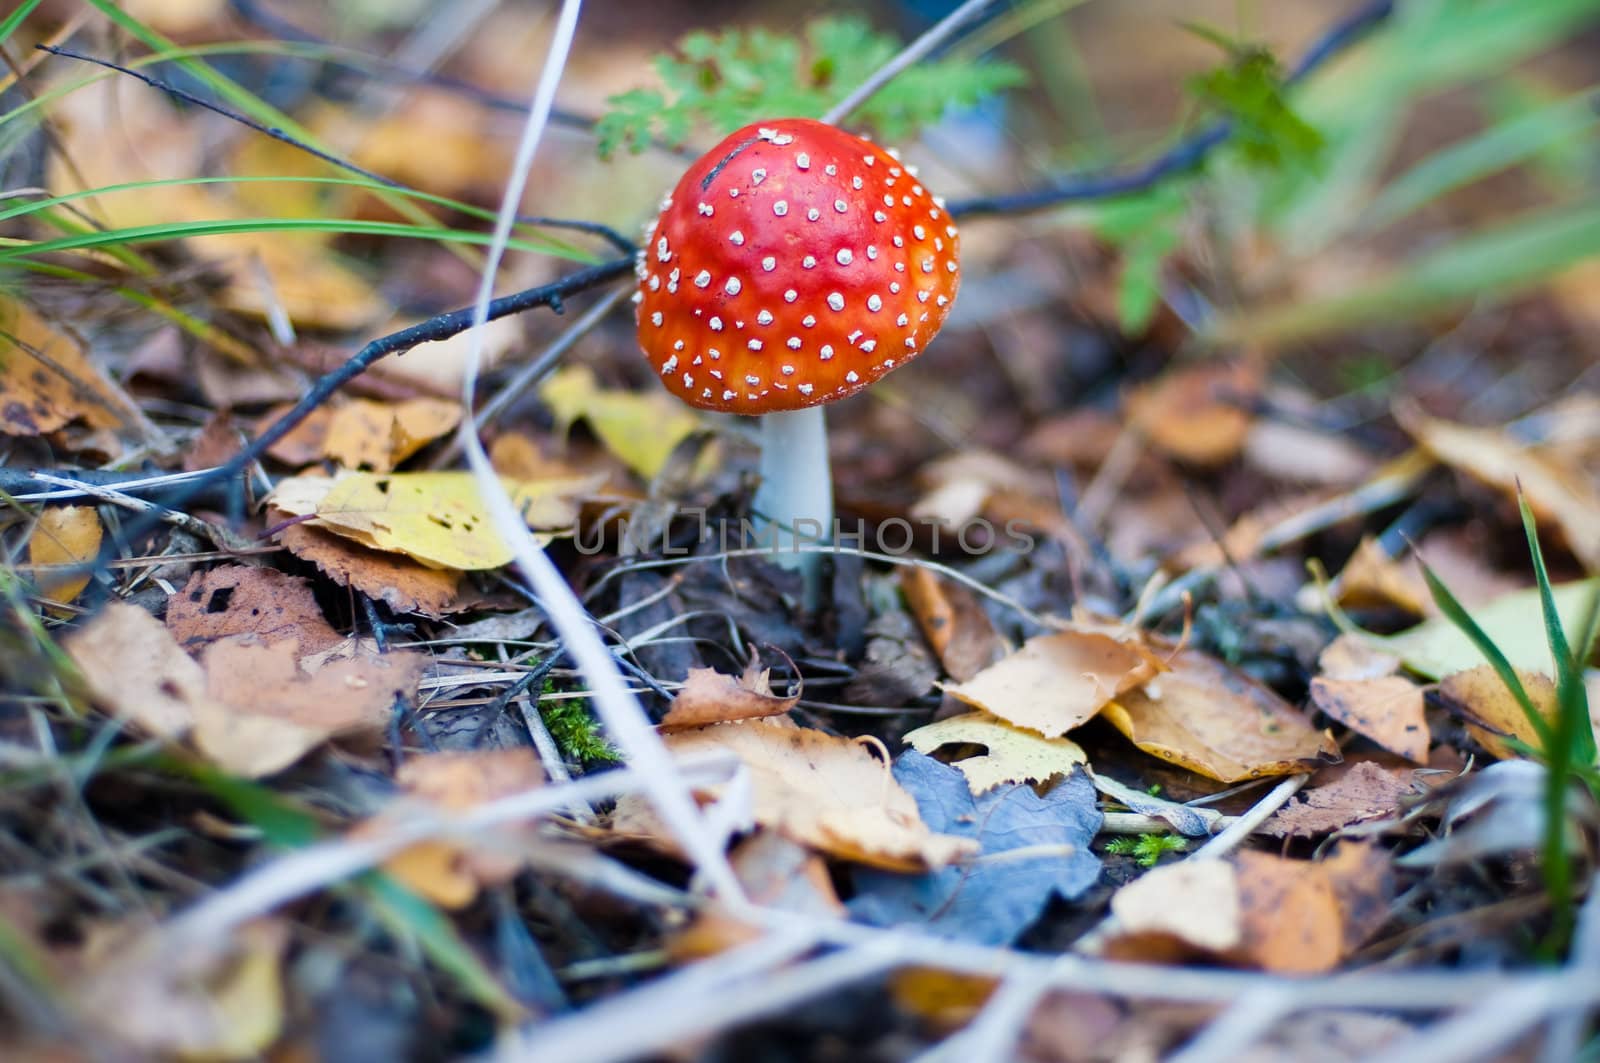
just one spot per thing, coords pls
(1566, 744)
(721, 81)
(1147, 849)
(576, 731)
(1248, 89)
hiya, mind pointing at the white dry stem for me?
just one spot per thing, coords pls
(624, 718)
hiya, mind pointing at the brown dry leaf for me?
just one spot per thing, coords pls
(219, 439)
(1247, 536)
(1175, 910)
(1493, 712)
(823, 791)
(1365, 792)
(1561, 496)
(220, 1002)
(1371, 578)
(1212, 719)
(1013, 754)
(64, 535)
(1198, 414)
(1292, 922)
(709, 697)
(135, 668)
(1353, 656)
(248, 600)
(959, 485)
(1297, 454)
(406, 586)
(1057, 682)
(47, 381)
(1388, 710)
(433, 139)
(775, 873)
(949, 999)
(957, 629)
(268, 707)
(177, 18)
(365, 434)
(303, 444)
(1363, 879)
(444, 871)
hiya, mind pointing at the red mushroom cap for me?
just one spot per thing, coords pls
(794, 264)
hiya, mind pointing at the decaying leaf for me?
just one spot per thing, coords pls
(1514, 622)
(1560, 495)
(1365, 792)
(364, 434)
(1372, 578)
(135, 669)
(1030, 848)
(47, 380)
(709, 697)
(1216, 721)
(1354, 656)
(248, 600)
(1388, 710)
(445, 871)
(1014, 755)
(438, 518)
(1493, 712)
(1174, 909)
(404, 585)
(222, 1001)
(642, 428)
(1057, 682)
(821, 790)
(959, 632)
(1200, 414)
(64, 535)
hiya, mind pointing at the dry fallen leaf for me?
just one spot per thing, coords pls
(1175, 909)
(1514, 623)
(1561, 496)
(1365, 792)
(1371, 579)
(1291, 919)
(365, 434)
(248, 600)
(47, 380)
(135, 668)
(1354, 656)
(1212, 719)
(709, 697)
(1388, 710)
(820, 790)
(64, 535)
(1013, 755)
(445, 871)
(1493, 712)
(1057, 682)
(438, 518)
(957, 629)
(775, 873)
(404, 585)
(1200, 414)
(640, 427)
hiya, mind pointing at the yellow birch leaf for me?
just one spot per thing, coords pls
(640, 428)
(1014, 755)
(64, 535)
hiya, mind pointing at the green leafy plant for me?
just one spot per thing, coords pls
(1566, 743)
(721, 81)
(1147, 849)
(1248, 90)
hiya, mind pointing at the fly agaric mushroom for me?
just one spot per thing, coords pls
(793, 265)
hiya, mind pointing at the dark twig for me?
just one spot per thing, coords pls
(440, 327)
(1184, 156)
(593, 228)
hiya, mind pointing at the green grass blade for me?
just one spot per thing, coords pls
(13, 20)
(1573, 736)
(1452, 608)
(1493, 151)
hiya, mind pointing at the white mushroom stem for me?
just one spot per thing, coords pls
(794, 504)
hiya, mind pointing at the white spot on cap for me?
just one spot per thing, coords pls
(794, 343)
(872, 252)
(788, 370)
(879, 216)
(733, 286)
(869, 345)
(716, 324)
(754, 345)
(702, 279)
(661, 250)
(831, 170)
(802, 161)
(941, 300)
(902, 321)
(927, 264)
(726, 395)
(678, 346)
(655, 319)
(752, 380)
(769, 263)
(736, 238)
(899, 241)
(911, 343)
(827, 351)
(840, 205)
(668, 366)
(705, 209)
(764, 318)
(868, 159)
(855, 182)
(783, 139)
(854, 335)
(950, 265)
(851, 376)
(809, 320)
(813, 214)
(688, 381)
(905, 201)
(804, 389)
(919, 232)
(637, 298)
(916, 190)
(844, 256)
(733, 193)
(835, 301)
(780, 207)
(790, 296)
(894, 287)
(715, 354)
(888, 201)
(655, 283)
(757, 175)
(874, 302)
(899, 267)
(922, 296)
(809, 261)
